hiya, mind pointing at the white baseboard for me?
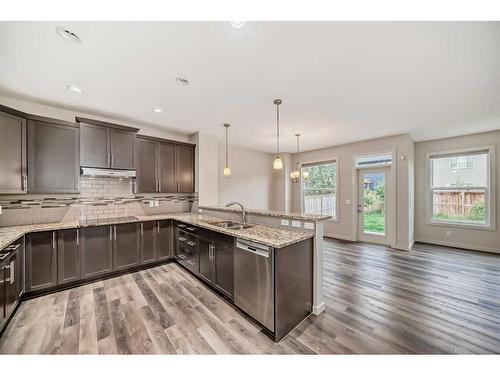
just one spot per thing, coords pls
(458, 245)
(319, 309)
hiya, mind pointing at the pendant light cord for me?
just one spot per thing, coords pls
(278, 126)
(226, 146)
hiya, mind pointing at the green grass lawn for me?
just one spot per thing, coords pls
(374, 222)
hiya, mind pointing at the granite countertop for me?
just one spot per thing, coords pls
(266, 235)
(280, 214)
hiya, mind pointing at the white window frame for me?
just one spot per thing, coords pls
(335, 161)
(490, 195)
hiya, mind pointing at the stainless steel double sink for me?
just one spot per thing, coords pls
(231, 225)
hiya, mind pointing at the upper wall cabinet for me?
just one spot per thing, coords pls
(13, 175)
(106, 145)
(164, 167)
(53, 156)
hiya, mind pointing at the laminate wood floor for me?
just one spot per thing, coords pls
(430, 300)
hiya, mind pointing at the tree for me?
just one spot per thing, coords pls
(321, 179)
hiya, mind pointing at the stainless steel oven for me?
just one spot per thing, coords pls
(254, 281)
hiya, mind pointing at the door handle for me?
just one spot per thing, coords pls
(109, 159)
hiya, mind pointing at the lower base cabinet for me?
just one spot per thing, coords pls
(164, 249)
(68, 256)
(41, 261)
(11, 279)
(149, 242)
(126, 246)
(96, 251)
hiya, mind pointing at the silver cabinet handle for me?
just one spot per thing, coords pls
(112, 160)
(54, 241)
(191, 229)
(24, 183)
(77, 237)
(12, 247)
(177, 186)
(115, 231)
(109, 159)
(190, 262)
(12, 268)
(110, 234)
(181, 239)
(142, 230)
(181, 225)
(158, 227)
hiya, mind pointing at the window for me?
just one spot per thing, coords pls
(374, 161)
(459, 188)
(319, 190)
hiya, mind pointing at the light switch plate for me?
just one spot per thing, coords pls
(285, 222)
(295, 224)
(308, 225)
(151, 203)
(448, 233)
(347, 201)
(157, 203)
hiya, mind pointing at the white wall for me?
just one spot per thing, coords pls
(476, 239)
(68, 115)
(345, 227)
(206, 167)
(252, 180)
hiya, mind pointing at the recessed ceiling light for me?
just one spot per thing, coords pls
(157, 110)
(237, 24)
(75, 89)
(68, 35)
(182, 81)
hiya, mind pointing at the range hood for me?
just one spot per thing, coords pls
(106, 172)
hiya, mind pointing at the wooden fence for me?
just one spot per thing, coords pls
(317, 204)
(456, 203)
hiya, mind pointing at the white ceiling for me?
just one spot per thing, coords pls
(340, 81)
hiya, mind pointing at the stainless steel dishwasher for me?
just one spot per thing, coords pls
(254, 281)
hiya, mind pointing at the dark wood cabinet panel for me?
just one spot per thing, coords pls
(68, 256)
(2, 295)
(12, 154)
(164, 230)
(96, 251)
(41, 261)
(224, 268)
(184, 168)
(122, 149)
(149, 240)
(126, 248)
(94, 146)
(147, 166)
(207, 265)
(53, 158)
(11, 283)
(166, 167)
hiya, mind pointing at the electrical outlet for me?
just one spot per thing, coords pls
(285, 222)
(157, 203)
(448, 233)
(308, 225)
(348, 201)
(151, 203)
(295, 224)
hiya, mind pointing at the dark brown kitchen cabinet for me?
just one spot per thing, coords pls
(224, 267)
(96, 251)
(163, 166)
(184, 168)
(12, 154)
(126, 246)
(2, 295)
(207, 266)
(68, 256)
(164, 230)
(53, 157)
(10, 280)
(149, 242)
(106, 145)
(166, 165)
(147, 166)
(41, 261)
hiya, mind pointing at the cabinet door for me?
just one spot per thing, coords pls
(184, 168)
(122, 149)
(207, 264)
(41, 261)
(68, 256)
(12, 154)
(53, 158)
(96, 251)
(126, 246)
(166, 167)
(147, 179)
(94, 146)
(224, 268)
(149, 238)
(11, 284)
(2, 294)
(164, 229)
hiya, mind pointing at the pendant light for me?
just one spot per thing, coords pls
(295, 175)
(278, 163)
(227, 170)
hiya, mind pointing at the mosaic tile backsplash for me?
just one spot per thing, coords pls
(99, 198)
